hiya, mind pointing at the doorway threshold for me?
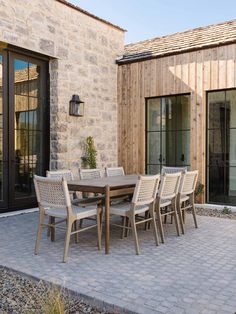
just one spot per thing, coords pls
(19, 212)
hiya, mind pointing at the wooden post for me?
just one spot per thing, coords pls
(107, 219)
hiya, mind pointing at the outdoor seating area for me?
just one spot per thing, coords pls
(152, 197)
(194, 273)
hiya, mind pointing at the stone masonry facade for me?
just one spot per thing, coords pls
(83, 51)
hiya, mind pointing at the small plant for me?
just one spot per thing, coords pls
(199, 189)
(55, 303)
(90, 158)
(226, 210)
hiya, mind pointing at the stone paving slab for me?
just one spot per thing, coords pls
(190, 274)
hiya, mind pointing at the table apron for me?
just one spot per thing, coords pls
(120, 192)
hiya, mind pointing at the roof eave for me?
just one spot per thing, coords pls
(121, 61)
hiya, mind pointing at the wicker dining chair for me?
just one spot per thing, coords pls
(166, 200)
(86, 174)
(54, 200)
(143, 200)
(173, 169)
(114, 171)
(185, 198)
(75, 200)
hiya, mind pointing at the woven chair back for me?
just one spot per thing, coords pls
(188, 182)
(115, 171)
(52, 193)
(86, 174)
(146, 190)
(169, 186)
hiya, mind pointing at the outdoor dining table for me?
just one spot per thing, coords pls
(110, 187)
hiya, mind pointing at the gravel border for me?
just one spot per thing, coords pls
(215, 213)
(21, 295)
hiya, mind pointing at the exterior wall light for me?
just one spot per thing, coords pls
(76, 107)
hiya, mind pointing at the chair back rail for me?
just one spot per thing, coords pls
(86, 174)
(172, 169)
(59, 174)
(146, 190)
(188, 182)
(115, 171)
(169, 186)
(52, 193)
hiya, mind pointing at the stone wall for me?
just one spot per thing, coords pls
(83, 51)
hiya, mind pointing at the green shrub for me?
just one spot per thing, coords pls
(90, 158)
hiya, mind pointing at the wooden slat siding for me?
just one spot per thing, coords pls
(230, 77)
(135, 119)
(214, 69)
(193, 109)
(177, 78)
(199, 131)
(184, 73)
(169, 77)
(153, 78)
(222, 67)
(119, 112)
(141, 107)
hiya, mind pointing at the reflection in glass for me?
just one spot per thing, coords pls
(1, 128)
(28, 127)
(153, 147)
(154, 115)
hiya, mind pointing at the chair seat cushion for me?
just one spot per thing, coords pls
(124, 208)
(184, 198)
(79, 212)
(165, 203)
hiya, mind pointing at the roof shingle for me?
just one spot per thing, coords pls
(198, 38)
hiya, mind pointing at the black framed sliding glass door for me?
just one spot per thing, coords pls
(221, 147)
(25, 128)
(167, 132)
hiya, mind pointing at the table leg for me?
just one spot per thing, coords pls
(107, 219)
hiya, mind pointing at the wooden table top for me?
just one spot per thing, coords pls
(116, 182)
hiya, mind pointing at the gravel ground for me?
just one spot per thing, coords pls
(215, 213)
(22, 295)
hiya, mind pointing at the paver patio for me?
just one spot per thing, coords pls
(194, 273)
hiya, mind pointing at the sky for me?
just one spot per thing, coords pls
(144, 19)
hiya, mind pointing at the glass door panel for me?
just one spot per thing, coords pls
(1, 131)
(221, 155)
(168, 140)
(28, 155)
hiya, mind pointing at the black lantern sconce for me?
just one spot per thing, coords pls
(76, 106)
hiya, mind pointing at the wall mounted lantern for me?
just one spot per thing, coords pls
(76, 107)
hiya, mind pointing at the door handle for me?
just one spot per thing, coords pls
(182, 157)
(160, 158)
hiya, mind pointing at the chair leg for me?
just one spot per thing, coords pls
(135, 235)
(39, 233)
(76, 229)
(146, 223)
(160, 225)
(194, 216)
(123, 229)
(67, 240)
(99, 230)
(176, 220)
(152, 214)
(183, 215)
(81, 223)
(128, 224)
(49, 228)
(180, 218)
(165, 217)
(53, 233)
